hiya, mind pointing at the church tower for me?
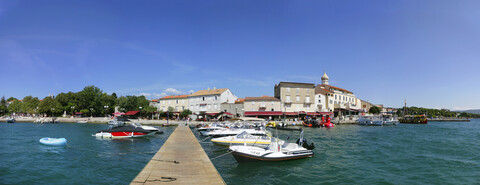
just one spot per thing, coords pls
(324, 79)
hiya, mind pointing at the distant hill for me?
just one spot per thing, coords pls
(473, 111)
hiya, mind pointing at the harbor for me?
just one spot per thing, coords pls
(345, 154)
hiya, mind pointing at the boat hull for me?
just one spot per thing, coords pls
(122, 134)
(243, 157)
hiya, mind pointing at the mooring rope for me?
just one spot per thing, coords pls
(205, 139)
(222, 155)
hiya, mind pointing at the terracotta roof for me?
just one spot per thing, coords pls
(174, 96)
(320, 90)
(209, 92)
(338, 88)
(240, 100)
(263, 98)
(154, 100)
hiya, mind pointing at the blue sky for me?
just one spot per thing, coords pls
(383, 51)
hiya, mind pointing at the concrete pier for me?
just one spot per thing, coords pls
(181, 160)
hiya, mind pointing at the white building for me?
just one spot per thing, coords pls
(178, 102)
(335, 99)
(210, 100)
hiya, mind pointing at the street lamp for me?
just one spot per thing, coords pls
(106, 108)
(73, 111)
(140, 112)
(52, 110)
(91, 111)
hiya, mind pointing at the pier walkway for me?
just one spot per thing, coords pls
(181, 160)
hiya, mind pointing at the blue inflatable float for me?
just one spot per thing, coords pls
(53, 141)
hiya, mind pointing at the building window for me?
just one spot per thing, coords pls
(319, 101)
(287, 98)
(273, 109)
(169, 102)
(253, 102)
(298, 98)
(215, 106)
(203, 98)
(288, 89)
(215, 97)
(287, 105)
(308, 91)
(335, 97)
(331, 101)
(177, 101)
(307, 99)
(307, 106)
(298, 90)
(209, 107)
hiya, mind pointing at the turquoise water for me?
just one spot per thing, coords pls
(436, 153)
(85, 160)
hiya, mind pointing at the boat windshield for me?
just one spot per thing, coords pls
(242, 135)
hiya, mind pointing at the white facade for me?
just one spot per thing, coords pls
(209, 101)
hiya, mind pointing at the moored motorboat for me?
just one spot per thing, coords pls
(11, 120)
(53, 141)
(278, 150)
(235, 131)
(150, 128)
(119, 128)
(126, 131)
(243, 138)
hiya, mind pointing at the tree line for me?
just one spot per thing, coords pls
(89, 101)
(435, 113)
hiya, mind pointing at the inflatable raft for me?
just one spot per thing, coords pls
(53, 141)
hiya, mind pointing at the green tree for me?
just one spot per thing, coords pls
(374, 110)
(3, 106)
(185, 113)
(15, 107)
(11, 99)
(30, 104)
(90, 98)
(50, 106)
(108, 102)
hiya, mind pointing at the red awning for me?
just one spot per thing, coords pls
(133, 112)
(78, 113)
(211, 114)
(228, 113)
(263, 113)
(291, 113)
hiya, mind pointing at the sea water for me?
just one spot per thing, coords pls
(84, 160)
(436, 153)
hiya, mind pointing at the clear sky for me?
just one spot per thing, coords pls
(384, 51)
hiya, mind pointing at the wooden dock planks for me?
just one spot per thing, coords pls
(181, 160)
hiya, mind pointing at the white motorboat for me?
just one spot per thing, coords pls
(390, 121)
(207, 129)
(150, 128)
(278, 150)
(235, 131)
(243, 138)
(369, 121)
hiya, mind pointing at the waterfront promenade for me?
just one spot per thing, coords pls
(181, 160)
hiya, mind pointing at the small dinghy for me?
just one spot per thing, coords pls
(53, 141)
